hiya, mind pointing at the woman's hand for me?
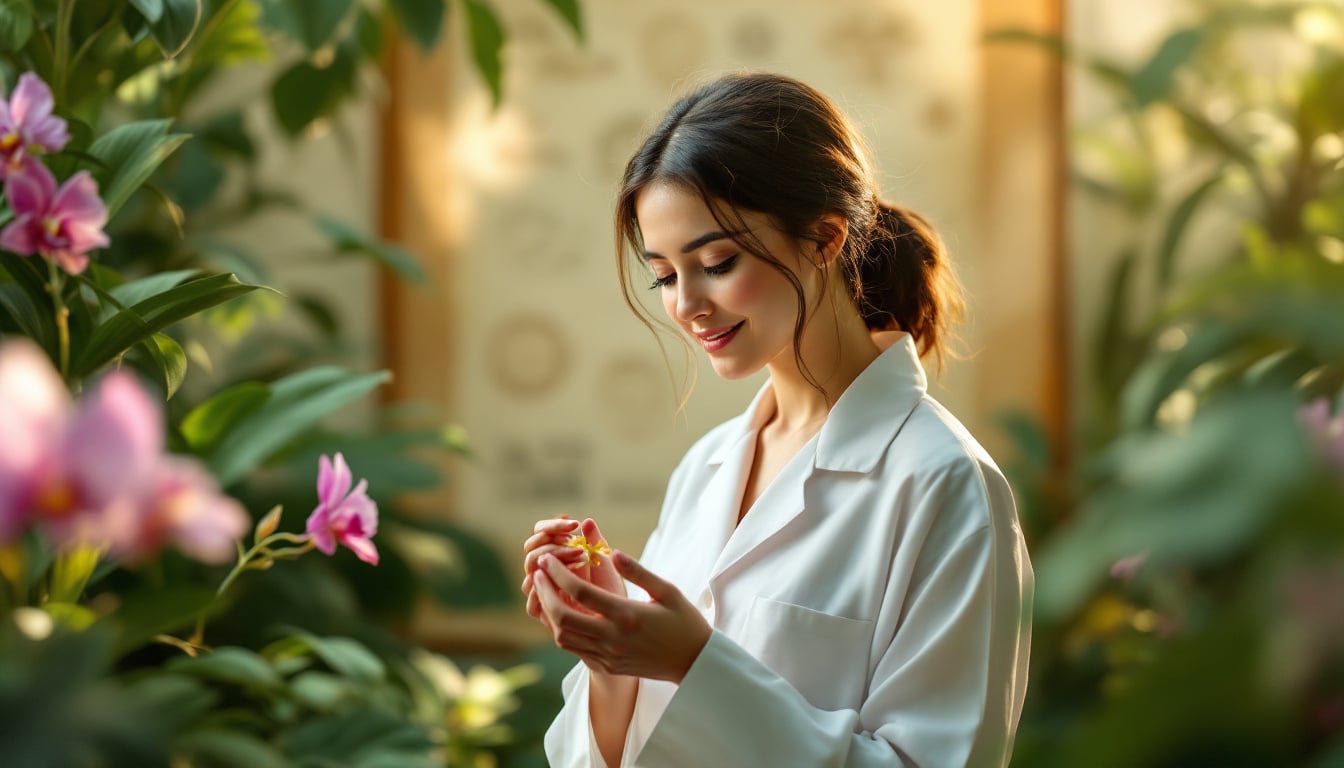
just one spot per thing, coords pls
(551, 537)
(614, 634)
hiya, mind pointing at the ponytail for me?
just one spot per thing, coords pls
(904, 281)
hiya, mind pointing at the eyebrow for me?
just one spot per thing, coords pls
(698, 242)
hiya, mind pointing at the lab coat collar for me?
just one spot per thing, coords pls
(865, 419)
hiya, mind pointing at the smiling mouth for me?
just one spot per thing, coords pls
(725, 333)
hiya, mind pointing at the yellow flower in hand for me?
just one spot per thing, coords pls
(579, 541)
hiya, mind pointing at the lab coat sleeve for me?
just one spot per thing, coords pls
(943, 692)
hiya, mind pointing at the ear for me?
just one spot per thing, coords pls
(832, 231)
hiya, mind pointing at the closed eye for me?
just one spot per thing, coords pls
(723, 267)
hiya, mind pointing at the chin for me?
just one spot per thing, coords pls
(733, 369)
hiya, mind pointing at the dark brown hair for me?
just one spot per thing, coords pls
(773, 145)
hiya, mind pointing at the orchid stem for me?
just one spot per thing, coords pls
(57, 288)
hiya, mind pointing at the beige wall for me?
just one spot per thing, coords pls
(525, 338)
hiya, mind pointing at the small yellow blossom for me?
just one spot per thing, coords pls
(579, 541)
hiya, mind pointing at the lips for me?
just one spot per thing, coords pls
(715, 340)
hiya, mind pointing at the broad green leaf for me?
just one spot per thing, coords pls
(207, 424)
(226, 132)
(320, 691)
(16, 26)
(228, 747)
(1176, 225)
(297, 403)
(487, 39)
(231, 665)
(176, 26)
(347, 657)
(131, 152)
(1153, 81)
(421, 20)
(169, 360)
(347, 239)
(570, 12)
(146, 318)
(310, 22)
(304, 92)
(151, 10)
(136, 291)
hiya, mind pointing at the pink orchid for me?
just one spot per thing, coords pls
(60, 224)
(343, 516)
(1326, 432)
(182, 506)
(27, 126)
(94, 472)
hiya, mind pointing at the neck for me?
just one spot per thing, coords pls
(835, 348)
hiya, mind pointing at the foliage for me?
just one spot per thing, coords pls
(99, 661)
(1187, 608)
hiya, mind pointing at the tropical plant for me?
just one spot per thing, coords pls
(122, 180)
(1184, 613)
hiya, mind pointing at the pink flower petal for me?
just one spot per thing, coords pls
(78, 201)
(30, 107)
(321, 533)
(32, 191)
(34, 408)
(73, 263)
(116, 438)
(363, 549)
(21, 235)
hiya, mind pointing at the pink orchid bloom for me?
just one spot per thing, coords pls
(27, 126)
(182, 506)
(1326, 432)
(94, 472)
(60, 224)
(343, 516)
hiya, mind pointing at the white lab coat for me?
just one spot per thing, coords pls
(871, 609)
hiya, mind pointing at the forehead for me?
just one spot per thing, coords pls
(670, 214)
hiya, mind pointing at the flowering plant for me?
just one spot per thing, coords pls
(117, 514)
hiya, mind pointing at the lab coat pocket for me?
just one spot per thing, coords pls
(825, 657)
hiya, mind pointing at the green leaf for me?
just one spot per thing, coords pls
(131, 152)
(487, 39)
(228, 747)
(354, 737)
(226, 132)
(297, 402)
(169, 359)
(16, 25)
(311, 22)
(421, 20)
(231, 665)
(176, 26)
(304, 92)
(148, 612)
(570, 12)
(1176, 225)
(207, 424)
(136, 291)
(347, 657)
(348, 240)
(35, 323)
(474, 576)
(1111, 352)
(146, 318)
(369, 33)
(1154, 80)
(320, 691)
(152, 10)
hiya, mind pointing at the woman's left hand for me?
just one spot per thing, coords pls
(613, 634)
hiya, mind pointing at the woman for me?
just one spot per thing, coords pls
(837, 577)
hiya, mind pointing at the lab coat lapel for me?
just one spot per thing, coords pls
(776, 507)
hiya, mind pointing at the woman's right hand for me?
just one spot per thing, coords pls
(551, 537)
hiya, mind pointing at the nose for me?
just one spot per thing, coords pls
(691, 301)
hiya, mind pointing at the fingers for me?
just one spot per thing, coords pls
(567, 622)
(583, 592)
(567, 555)
(631, 569)
(555, 526)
